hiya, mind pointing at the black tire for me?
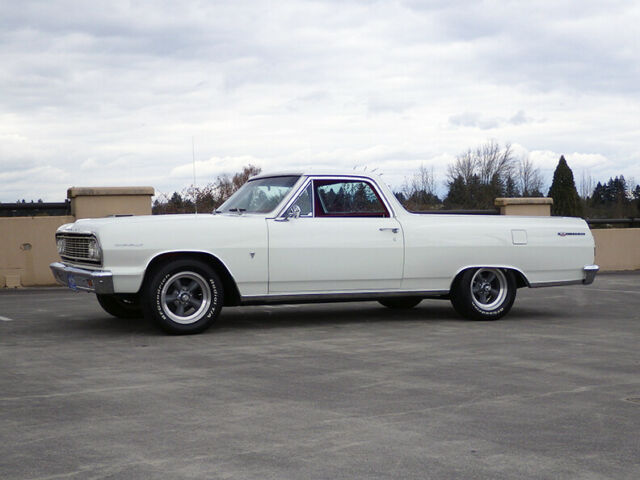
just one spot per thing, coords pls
(121, 306)
(401, 302)
(484, 293)
(183, 297)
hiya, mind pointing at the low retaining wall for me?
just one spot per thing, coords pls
(27, 244)
(27, 247)
(617, 248)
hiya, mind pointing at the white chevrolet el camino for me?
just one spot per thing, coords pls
(306, 237)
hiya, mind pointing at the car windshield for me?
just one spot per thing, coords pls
(259, 196)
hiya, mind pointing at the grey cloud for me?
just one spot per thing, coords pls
(469, 119)
(387, 105)
(546, 45)
(137, 80)
(520, 118)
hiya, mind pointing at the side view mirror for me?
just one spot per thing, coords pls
(293, 212)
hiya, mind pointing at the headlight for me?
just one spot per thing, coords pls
(60, 243)
(93, 250)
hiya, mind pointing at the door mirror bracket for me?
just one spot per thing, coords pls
(293, 212)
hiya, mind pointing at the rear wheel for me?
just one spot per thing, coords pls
(121, 306)
(400, 303)
(484, 293)
(183, 297)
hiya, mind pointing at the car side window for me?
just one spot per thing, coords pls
(303, 202)
(347, 198)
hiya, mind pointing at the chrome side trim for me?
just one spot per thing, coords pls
(338, 297)
(299, 191)
(98, 281)
(288, 202)
(556, 284)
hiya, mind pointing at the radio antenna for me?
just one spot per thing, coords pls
(193, 156)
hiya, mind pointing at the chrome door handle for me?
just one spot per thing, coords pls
(393, 229)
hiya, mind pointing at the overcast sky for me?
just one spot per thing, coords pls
(112, 93)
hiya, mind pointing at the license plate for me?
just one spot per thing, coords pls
(71, 282)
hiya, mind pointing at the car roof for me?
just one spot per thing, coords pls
(318, 172)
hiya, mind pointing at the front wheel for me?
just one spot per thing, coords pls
(183, 297)
(484, 293)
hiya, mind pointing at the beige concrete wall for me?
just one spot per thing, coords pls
(617, 248)
(530, 206)
(27, 247)
(95, 202)
(27, 244)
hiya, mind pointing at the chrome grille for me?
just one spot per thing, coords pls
(76, 248)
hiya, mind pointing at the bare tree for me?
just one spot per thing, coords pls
(494, 162)
(487, 162)
(206, 198)
(419, 192)
(586, 185)
(226, 186)
(529, 178)
(423, 180)
(631, 183)
(465, 167)
(479, 175)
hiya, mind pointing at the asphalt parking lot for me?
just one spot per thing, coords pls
(325, 391)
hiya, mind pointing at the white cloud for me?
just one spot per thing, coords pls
(115, 95)
(212, 167)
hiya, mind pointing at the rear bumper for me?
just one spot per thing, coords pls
(589, 274)
(98, 281)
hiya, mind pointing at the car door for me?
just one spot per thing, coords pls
(338, 235)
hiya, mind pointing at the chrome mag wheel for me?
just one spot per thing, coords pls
(185, 297)
(484, 293)
(488, 288)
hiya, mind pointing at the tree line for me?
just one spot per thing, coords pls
(474, 180)
(478, 176)
(207, 198)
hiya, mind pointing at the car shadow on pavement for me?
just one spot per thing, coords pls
(288, 316)
(109, 325)
(298, 316)
(281, 316)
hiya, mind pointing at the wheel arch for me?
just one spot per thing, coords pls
(231, 292)
(520, 277)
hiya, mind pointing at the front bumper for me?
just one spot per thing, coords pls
(98, 281)
(589, 274)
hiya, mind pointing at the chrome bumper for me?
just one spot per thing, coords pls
(98, 281)
(589, 274)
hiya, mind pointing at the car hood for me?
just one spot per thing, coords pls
(98, 225)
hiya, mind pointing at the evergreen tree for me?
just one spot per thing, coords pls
(566, 200)
(597, 197)
(458, 193)
(511, 188)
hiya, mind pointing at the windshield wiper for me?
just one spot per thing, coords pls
(239, 210)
